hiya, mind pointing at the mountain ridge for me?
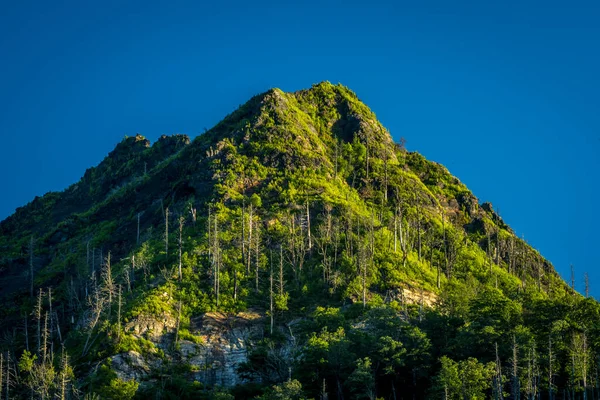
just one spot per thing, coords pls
(304, 189)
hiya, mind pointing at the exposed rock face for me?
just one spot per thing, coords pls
(224, 348)
(153, 328)
(130, 365)
(412, 296)
(226, 340)
(468, 202)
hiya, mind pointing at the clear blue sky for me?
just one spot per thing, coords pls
(505, 94)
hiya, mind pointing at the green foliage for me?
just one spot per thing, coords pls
(185, 334)
(305, 190)
(108, 385)
(468, 379)
(119, 389)
(361, 381)
(127, 342)
(290, 390)
(27, 361)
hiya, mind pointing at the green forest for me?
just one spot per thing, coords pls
(293, 251)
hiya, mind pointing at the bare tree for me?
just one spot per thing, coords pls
(1, 373)
(193, 213)
(209, 232)
(127, 276)
(281, 283)
(65, 375)
(38, 317)
(45, 339)
(7, 377)
(178, 323)
(216, 259)
(96, 303)
(550, 371)
(308, 225)
(51, 330)
(498, 387)
(108, 281)
(244, 232)
(31, 266)
(396, 230)
(257, 258)
(418, 227)
(167, 231)
(367, 155)
(271, 293)
(399, 218)
(362, 267)
(337, 145)
(515, 371)
(119, 312)
(385, 172)
(250, 224)
(58, 327)
(181, 220)
(137, 241)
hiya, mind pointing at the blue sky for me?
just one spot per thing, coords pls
(505, 94)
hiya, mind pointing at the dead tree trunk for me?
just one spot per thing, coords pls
(180, 246)
(38, 317)
(271, 294)
(31, 266)
(167, 231)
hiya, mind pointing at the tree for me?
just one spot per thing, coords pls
(498, 386)
(216, 259)
(361, 381)
(271, 311)
(290, 390)
(10, 373)
(40, 374)
(31, 266)
(1, 373)
(96, 305)
(580, 358)
(550, 369)
(308, 226)
(193, 213)
(475, 378)
(65, 376)
(38, 318)
(51, 315)
(447, 381)
(515, 386)
(119, 389)
(119, 312)
(468, 379)
(137, 240)
(178, 322)
(167, 231)
(181, 220)
(108, 281)
(328, 355)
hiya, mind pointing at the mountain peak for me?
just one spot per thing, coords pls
(295, 207)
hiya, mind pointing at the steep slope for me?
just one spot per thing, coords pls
(287, 241)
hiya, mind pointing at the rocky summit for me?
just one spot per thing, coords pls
(293, 251)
